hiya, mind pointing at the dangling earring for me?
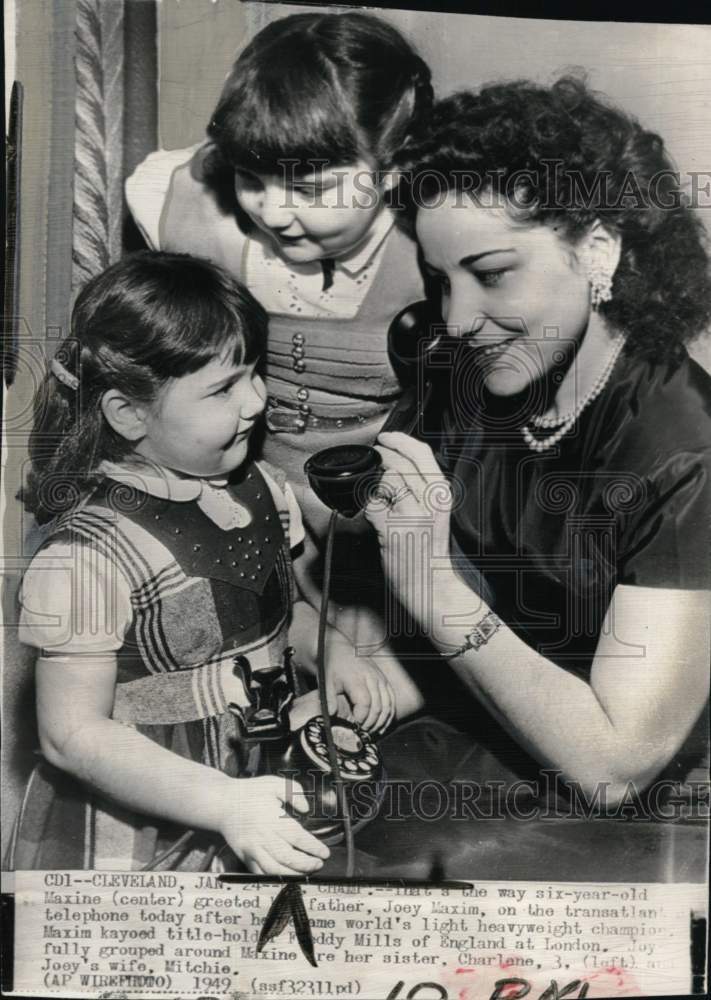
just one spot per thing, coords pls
(599, 258)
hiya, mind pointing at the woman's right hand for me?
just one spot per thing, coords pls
(414, 498)
(262, 835)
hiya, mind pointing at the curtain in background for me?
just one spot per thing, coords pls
(98, 137)
(116, 122)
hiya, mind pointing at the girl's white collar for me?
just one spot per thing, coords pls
(158, 481)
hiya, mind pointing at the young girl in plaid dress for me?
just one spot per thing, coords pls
(166, 555)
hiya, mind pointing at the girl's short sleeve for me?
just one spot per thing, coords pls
(147, 189)
(74, 600)
(667, 542)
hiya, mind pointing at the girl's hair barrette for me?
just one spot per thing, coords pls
(64, 376)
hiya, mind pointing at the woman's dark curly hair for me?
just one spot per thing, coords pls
(562, 155)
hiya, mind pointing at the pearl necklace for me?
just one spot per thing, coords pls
(565, 422)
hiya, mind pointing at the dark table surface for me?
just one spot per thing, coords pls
(399, 843)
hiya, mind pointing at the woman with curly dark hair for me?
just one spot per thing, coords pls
(577, 438)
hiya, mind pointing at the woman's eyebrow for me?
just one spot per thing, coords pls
(471, 258)
(314, 180)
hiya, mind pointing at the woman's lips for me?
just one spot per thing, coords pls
(493, 350)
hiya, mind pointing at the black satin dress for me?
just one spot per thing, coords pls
(623, 499)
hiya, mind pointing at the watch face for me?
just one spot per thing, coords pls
(483, 631)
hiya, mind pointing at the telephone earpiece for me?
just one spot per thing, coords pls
(341, 477)
(412, 335)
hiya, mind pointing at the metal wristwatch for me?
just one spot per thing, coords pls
(479, 635)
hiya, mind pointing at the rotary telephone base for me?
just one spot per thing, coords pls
(302, 755)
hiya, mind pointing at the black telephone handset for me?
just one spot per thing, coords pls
(341, 477)
(412, 337)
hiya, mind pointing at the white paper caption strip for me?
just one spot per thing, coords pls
(180, 935)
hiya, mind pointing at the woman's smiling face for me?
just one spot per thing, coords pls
(514, 288)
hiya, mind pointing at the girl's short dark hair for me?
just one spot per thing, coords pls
(319, 87)
(564, 155)
(147, 319)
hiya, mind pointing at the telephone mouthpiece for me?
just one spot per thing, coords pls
(343, 477)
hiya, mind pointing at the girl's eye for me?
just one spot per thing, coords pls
(225, 390)
(311, 192)
(490, 279)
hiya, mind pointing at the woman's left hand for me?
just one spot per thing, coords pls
(410, 511)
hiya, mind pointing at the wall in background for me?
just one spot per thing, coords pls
(43, 36)
(661, 73)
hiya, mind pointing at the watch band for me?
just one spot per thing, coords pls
(484, 629)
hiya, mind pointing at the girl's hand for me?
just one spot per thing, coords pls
(260, 833)
(355, 689)
(368, 691)
(411, 515)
